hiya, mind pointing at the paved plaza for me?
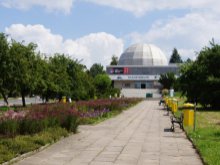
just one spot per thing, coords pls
(138, 136)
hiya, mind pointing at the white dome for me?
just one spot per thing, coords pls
(143, 54)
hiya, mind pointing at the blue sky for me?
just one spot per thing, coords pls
(94, 30)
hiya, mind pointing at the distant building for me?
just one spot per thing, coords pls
(140, 67)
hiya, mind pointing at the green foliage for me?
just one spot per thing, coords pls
(199, 80)
(207, 136)
(12, 147)
(113, 91)
(24, 69)
(6, 67)
(82, 87)
(58, 66)
(4, 108)
(188, 60)
(175, 57)
(33, 126)
(168, 80)
(96, 69)
(114, 60)
(26, 72)
(38, 118)
(9, 128)
(71, 123)
(165, 92)
(102, 83)
(189, 81)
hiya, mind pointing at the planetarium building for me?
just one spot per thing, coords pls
(140, 67)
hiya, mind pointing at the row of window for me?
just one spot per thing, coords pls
(142, 70)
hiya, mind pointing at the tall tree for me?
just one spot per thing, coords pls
(96, 69)
(6, 65)
(81, 83)
(102, 84)
(114, 60)
(168, 80)
(45, 87)
(188, 60)
(24, 68)
(58, 65)
(200, 80)
(175, 57)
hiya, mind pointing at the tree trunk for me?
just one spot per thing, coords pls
(4, 97)
(46, 99)
(23, 100)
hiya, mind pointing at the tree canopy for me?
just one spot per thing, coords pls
(200, 80)
(96, 69)
(6, 67)
(175, 57)
(167, 80)
(24, 71)
(114, 60)
(103, 84)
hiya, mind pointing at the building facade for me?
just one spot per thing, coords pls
(140, 67)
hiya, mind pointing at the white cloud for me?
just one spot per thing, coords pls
(137, 7)
(93, 48)
(50, 5)
(189, 33)
(101, 46)
(140, 7)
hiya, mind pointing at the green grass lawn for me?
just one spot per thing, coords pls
(207, 136)
(13, 147)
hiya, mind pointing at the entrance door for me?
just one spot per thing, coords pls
(143, 85)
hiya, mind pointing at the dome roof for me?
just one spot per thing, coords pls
(143, 54)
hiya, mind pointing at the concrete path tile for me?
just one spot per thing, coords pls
(138, 136)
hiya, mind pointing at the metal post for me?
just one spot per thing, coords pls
(194, 127)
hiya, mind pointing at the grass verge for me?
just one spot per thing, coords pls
(206, 138)
(13, 147)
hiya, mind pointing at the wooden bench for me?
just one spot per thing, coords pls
(161, 102)
(177, 120)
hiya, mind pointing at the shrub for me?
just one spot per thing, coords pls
(71, 123)
(30, 126)
(9, 127)
(165, 92)
(41, 117)
(38, 118)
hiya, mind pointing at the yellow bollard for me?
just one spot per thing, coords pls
(174, 106)
(166, 101)
(170, 103)
(64, 99)
(188, 119)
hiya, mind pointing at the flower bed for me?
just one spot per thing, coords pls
(38, 125)
(37, 119)
(68, 116)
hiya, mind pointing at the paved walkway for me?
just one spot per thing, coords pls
(139, 136)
